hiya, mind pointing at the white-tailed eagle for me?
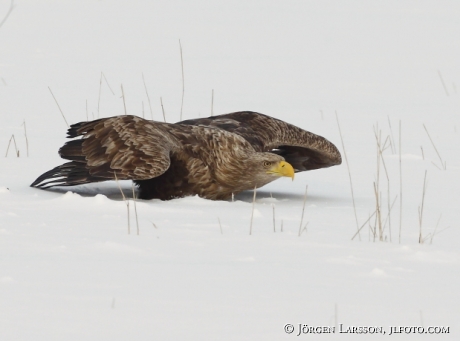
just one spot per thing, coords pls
(211, 157)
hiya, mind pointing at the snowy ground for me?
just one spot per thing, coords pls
(69, 270)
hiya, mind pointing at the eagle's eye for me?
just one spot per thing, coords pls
(267, 163)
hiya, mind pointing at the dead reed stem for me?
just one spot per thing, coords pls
(388, 216)
(124, 101)
(359, 229)
(135, 208)
(148, 97)
(420, 210)
(377, 209)
(349, 176)
(220, 225)
(99, 97)
(380, 157)
(393, 145)
(107, 82)
(435, 229)
(443, 164)
(25, 135)
(443, 84)
(15, 147)
(304, 229)
(7, 13)
(163, 109)
(303, 210)
(58, 107)
(212, 102)
(100, 91)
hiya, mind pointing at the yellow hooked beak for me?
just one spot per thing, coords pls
(282, 168)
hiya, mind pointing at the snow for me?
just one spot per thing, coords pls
(69, 270)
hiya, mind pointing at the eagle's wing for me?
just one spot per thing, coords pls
(122, 147)
(302, 149)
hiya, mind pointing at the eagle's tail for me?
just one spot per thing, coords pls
(69, 174)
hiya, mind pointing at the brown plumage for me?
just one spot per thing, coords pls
(211, 157)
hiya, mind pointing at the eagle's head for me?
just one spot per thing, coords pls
(266, 167)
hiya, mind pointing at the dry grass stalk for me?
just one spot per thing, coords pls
(273, 210)
(423, 154)
(349, 175)
(380, 150)
(303, 210)
(220, 225)
(443, 163)
(58, 107)
(124, 199)
(99, 97)
(148, 97)
(163, 109)
(100, 90)
(387, 218)
(124, 101)
(377, 187)
(357, 232)
(393, 145)
(183, 81)
(15, 146)
(378, 216)
(7, 14)
(135, 208)
(25, 135)
(107, 82)
(252, 212)
(212, 102)
(304, 229)
(435, 229)
(420, 210)
(436, 165)
(443, 84)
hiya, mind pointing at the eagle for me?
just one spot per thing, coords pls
(212, 157)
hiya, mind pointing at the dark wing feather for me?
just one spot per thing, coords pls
(302, 149)
(122, 147)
